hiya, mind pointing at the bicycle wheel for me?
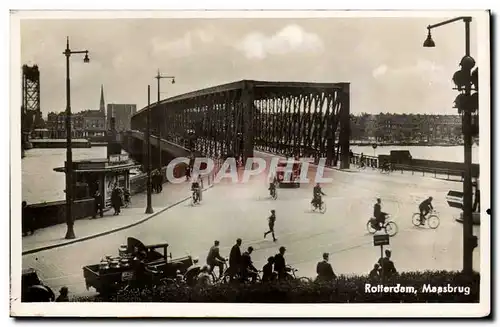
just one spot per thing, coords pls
(313, 207)
(370, 228)
(433, 221)
(322, 209)
(415, 219)
(391, 228)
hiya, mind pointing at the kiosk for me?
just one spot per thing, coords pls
(101, 174)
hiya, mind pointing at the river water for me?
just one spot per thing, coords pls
(40, 183)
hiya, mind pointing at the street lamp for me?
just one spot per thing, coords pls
(158, 78)
(70, 232)
(149, 207)
(465, 107)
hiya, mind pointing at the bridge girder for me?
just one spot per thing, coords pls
(31, 96)
(287, 118)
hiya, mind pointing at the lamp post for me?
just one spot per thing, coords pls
(149, 207)
(158, 78)
(70, 232)
(469, 241)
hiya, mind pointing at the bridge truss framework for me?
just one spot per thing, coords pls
(285, 118)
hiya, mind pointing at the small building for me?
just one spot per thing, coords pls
(101, 174)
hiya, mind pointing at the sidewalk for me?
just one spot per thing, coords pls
(87, 228)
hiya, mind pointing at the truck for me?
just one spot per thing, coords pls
(136, 265)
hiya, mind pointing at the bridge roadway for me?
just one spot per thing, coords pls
(240, 210)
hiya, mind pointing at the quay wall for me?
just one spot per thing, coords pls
(53, 213)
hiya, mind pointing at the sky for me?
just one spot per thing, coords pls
(383, 58)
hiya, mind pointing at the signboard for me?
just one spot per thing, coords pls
(380, 239)
(118, 158)
(455, 199)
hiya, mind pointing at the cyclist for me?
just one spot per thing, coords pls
(317, 193)
(267, 271)
(195, 187)
(248, 270)
(425, 207)
(272, 188)
(362, 160)
(214, 259)
(378, 214)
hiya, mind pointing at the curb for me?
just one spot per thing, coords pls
(86, 238)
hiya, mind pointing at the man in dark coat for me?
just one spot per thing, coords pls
(324, 270)
(28, 221)
(280, 264)
(159, 181)
(248, 270)
(116, 200)
(98, 205)
(387, 268)
(235, 258)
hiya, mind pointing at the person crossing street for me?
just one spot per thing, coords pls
(271, 220)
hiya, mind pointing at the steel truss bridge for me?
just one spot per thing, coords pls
(285, 118)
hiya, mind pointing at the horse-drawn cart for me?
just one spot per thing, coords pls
(136, 265)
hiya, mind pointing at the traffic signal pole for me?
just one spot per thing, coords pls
(467, 185)
(466, 105)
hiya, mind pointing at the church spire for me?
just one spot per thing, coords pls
(102, 106)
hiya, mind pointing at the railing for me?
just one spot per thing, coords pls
(430, 171)
(370, 161)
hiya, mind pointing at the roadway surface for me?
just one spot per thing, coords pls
(229, 211)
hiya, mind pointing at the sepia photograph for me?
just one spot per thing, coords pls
(250, 163)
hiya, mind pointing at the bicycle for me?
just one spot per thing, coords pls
(432, 219)
(274, 194)
(321, 207)
(385, 169)
(390, 227)
(362, 166)
(195, 198)
(291, 274)
(224, 277)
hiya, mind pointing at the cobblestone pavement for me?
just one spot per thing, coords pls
(229, 211)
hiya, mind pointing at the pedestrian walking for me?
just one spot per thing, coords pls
(98, 205)
(116, 201)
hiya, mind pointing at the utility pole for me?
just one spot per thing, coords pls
(149, 207)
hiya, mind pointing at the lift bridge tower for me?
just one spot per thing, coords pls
(30, 107)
